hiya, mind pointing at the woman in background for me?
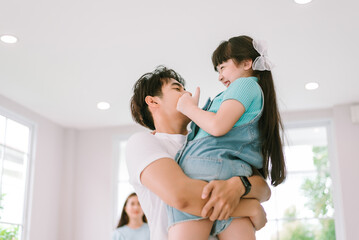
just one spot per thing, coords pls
(133, 223)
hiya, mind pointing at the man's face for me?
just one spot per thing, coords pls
(171, 92)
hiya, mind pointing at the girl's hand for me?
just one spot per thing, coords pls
(259, 217)
(187, 102)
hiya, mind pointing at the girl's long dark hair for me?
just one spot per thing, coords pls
(124, 220)
(270, 125)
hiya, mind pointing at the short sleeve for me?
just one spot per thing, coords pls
(243, 90)
(142, 149)
(117, 235)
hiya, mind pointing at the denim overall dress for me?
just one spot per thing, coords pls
(218, 158)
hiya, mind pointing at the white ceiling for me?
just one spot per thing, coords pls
(72, 54)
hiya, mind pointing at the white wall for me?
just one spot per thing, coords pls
(97, 151)
(47, 173)
(67, 189)
(347, 144)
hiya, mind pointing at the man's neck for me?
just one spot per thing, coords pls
(171, 127)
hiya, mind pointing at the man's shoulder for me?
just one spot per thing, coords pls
(141, 137)
(139, 141)
(143, 143)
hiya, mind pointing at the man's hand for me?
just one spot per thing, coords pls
(224, 198)
(187, 102)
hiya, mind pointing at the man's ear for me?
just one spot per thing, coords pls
(151, 101)
(247, 64)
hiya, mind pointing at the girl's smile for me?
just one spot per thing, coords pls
(229, 71)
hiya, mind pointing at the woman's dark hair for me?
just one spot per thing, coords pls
(124, 220)
(241, 48)
(150, 84)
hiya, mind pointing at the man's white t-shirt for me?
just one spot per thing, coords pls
(142, 149)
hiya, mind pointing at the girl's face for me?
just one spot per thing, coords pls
(133, 208)
(229, 71)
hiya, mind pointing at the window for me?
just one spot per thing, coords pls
(302, 208)
(124, 188)
(15, 155)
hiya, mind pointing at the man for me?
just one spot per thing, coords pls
(158, 179)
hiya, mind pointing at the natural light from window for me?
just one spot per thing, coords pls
(124, 188)
(302, 207)
(14, 160)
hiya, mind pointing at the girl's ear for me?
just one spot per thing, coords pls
(247, 64)
(152, 102)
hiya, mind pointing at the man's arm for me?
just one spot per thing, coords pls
(166, 179)
(232, 188)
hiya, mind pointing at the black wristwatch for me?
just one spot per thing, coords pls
(246, 184)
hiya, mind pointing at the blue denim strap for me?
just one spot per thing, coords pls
(193, 126)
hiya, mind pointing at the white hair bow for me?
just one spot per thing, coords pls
(262, 62)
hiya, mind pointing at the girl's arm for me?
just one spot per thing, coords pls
(262, 191)
(253, 209)
(216, 124)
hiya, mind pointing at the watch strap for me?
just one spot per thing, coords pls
(247, 185)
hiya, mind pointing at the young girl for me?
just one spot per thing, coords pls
(133, 223)
(239, 130)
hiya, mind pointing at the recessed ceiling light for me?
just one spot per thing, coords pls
(302, 1)
(311, 86)
(103, 105)
(8, 39)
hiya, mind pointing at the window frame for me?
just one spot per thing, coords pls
(26, 218)
(115, 173)
(333, 168)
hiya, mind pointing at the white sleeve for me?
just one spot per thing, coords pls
(142, 149)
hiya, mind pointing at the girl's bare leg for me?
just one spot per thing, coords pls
(239, 229)
(190, 230)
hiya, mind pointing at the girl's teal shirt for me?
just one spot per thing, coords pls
(245, 90)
